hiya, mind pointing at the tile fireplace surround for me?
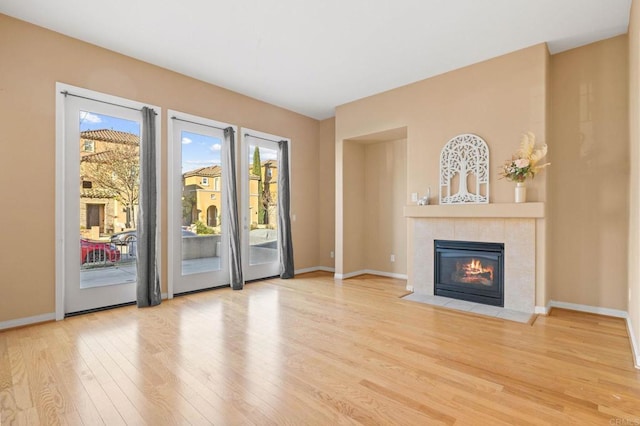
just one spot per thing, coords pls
(511, 224)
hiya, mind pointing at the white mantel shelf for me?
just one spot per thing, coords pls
(492, 210)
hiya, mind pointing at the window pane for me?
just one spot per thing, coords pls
(263, 205)
(201, 203)
(109, 183)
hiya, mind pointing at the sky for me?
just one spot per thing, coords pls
(197, 150)
(92, 121)
(265, 154)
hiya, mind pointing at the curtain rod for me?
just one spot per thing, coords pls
(66, 93)
(199, 124)
(264, 139)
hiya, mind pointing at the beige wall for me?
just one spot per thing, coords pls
(326, 205)
(590, 172)
(33, 60)
(634, 190)
(385, 193)
(498, 100)
(354, 201)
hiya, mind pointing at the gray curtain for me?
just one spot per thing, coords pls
(148, 289)
(284, 208)
(230, 187)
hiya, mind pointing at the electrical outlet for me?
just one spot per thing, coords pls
(293, 217)
(332, 254)
(393, 258)
(414, 197)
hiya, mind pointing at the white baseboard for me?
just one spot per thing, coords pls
(20, 322)
(543, 310)
(372, 272)
(315, 269)
(348, 275)
(589, 309)
(635, 349)
(387, 274)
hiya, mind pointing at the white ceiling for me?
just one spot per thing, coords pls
(311, 56)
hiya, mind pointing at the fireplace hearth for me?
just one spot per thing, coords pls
(469, 270)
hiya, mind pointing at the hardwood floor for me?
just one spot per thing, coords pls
(314, 351)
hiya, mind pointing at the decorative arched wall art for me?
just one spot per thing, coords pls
(467, 157)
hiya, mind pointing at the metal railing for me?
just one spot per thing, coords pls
(128, 249)
(101, 254)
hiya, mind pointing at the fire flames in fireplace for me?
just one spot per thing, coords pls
(469, 270)
(473, 272)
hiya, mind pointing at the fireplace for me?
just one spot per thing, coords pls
(469, 270)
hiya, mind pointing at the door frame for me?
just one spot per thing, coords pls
(174, 153)
(61, 165)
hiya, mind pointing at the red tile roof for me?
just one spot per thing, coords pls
(97, 193)
(209, 171)
(100, 157)
(107, 135)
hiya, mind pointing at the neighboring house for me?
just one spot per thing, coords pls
(109, 173)
(202, 189)
(201, 196)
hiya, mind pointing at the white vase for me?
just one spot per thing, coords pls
(521, 192)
